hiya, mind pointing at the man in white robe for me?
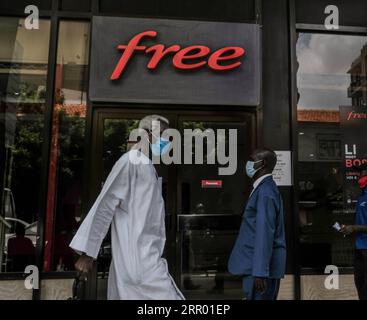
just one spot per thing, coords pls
(131, 202)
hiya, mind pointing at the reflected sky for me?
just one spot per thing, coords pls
(324, 61)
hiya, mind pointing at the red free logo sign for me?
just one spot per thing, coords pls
(356, 115)
(229, 55)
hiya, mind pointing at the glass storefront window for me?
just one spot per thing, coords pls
(211, 213)
(23, 73)
(67, 145)
(330, 76)
(116, 134)
(226, 199)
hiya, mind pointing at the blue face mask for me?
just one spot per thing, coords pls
(250, 170)
(161, 146)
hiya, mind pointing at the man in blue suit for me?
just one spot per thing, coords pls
(259, 254)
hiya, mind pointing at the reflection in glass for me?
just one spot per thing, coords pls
(228, 198)
(211, 215)
(115, 141)
(116, 134)
(67, 145)
(23, 73)
(329, 76)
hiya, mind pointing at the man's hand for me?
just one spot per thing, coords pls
(83, 266)
(347, 229)
(260, 285)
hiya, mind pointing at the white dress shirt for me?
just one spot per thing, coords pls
(258, 181)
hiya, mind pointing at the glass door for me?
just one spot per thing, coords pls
(203, 208)
(210, 205)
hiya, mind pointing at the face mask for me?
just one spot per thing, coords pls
(363, 182)
(250, 170)
(160, 146)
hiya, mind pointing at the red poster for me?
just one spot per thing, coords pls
(211, 183)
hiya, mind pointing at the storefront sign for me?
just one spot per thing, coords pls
(353, 123)
(174, 61)
(190, 53)
(282, 173)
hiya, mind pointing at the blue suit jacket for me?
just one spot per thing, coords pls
(260, 249)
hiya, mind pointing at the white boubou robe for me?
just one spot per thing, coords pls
(131, 202)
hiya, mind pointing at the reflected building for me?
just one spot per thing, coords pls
(357, 90)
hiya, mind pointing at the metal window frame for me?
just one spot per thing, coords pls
(320, 28)
(294, 143)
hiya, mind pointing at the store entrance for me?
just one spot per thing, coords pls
(203, 208)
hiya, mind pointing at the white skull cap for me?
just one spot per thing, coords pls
(150, 122)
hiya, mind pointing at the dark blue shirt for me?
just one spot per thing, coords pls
(361, 219)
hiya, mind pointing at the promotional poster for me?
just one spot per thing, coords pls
(353, 122)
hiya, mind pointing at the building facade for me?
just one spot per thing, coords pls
(64, 122)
